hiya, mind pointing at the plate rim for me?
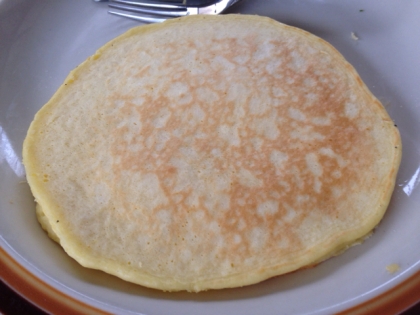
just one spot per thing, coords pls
(38, 292)
(393, 301)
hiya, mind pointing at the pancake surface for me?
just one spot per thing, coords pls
(211, 152)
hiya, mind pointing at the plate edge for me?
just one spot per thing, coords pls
(39, 292)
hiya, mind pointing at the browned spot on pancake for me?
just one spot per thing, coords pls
(219, 141)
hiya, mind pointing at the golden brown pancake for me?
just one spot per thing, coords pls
(211, 152)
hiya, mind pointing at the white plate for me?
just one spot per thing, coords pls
(41, 41)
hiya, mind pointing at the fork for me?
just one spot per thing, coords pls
(159, 11)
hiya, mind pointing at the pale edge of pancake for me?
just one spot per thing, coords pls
(235, 280)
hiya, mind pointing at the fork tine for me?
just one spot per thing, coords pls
(167, 13)
(143, 19)
(153, 5)
(165, 8)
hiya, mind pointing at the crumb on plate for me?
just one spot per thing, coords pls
(393, 268)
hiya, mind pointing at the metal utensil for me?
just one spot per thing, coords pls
(159, 11)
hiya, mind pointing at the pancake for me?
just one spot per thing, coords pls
(211, 152)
